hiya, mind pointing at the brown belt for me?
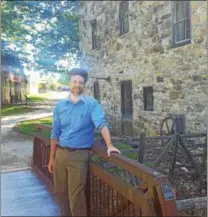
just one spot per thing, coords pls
(73, 149)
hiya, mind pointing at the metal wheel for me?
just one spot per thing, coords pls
(168, 126)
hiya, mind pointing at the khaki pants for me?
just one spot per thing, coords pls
(69, 181)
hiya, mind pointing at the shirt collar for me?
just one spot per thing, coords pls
(82, 98)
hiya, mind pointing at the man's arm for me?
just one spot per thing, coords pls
(53, 148)
(106, 136)
(99, 120)
(55, 133)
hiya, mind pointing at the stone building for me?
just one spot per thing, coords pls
(147, 59)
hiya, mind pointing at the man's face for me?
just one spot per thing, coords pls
(77, 85)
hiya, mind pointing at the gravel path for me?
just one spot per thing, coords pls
(16, 149)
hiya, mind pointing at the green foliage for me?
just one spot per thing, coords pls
(52, 87)
(29, 127)
(8, 110)
(38, 97)
(40, 86)
(64, 79)
(43, 32)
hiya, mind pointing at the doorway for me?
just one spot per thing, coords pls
(127, 108)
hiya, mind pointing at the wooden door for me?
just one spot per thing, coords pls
(127, 108)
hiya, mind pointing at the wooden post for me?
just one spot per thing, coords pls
(190, 156)
(141, 146)
(164, 151)
(175, 149)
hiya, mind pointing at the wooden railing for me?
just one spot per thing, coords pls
(41, 151)
(110, 193)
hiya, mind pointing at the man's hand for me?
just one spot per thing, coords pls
(51, 165)
(112, 149)
(106, 136)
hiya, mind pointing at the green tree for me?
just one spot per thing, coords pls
(64, 78)
(43, 32)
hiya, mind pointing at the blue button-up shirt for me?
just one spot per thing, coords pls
(74, 123)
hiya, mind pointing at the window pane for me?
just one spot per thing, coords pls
(181, 10)
(187, 9)
(148, 98)
(180, 31)
(179, 13)
(123, 17)
(94, 30)
(97, 90)
(175, 33)
(183, 7)
(188, 29)
(126, 24)
(149, 103)
(183, 28)
(122, 26)
(125, 8)
(121, 10)
(178, 34)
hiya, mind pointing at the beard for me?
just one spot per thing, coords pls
(76, 90)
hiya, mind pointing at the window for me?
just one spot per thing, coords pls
(94, 34)
(181, 23)
(97, 90)
(148, 98)
(123, 18)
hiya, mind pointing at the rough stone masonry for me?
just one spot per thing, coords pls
(145, 55)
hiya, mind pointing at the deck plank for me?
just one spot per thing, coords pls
(23, 194)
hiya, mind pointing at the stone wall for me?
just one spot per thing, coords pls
(145, 56)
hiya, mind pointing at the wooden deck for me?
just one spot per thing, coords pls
(23, 194)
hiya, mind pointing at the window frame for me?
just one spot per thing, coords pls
(123, 14)
(94, 34)
(96, 90)
(176, 43)
(146, 91)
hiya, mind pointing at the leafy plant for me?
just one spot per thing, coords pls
(40, 33)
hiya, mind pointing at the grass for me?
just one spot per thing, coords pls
(29, 127)
(8, 110)
(121, 146)
(38, 97)
(118, 170)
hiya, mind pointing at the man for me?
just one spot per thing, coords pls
(74, 120)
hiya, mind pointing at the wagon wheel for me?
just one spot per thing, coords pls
(168, 126)
(167, 129)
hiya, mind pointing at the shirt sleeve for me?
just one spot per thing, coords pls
(56, 126)
(98, 116)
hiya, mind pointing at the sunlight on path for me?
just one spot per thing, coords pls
(16, 149)
(23, 194)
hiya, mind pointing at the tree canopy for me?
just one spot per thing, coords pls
(40, 33)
